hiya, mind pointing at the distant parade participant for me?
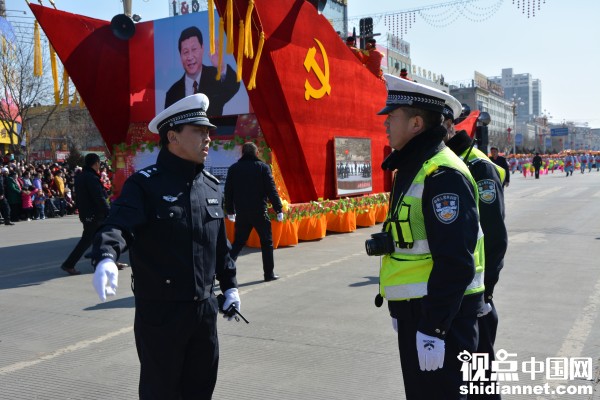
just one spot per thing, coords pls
(525, 165)
(432, 267)
(569, 164)
(512, 163)
(537, 164)
(590, 162)
(489, 178)
(597, 161)
(583, 162)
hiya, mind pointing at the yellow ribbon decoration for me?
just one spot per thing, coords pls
(37, 50)
(221, 34)
(240, 52)
(211, 26)
(261, 42)
(248, 49)
(54, 75)
(65, 87)
(229, 16)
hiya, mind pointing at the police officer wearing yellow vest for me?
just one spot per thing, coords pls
(489, 178)
(170, 218)
(432, 267)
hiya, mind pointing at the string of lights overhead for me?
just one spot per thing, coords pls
(442, 15)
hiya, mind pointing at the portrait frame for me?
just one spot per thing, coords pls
(353, 167)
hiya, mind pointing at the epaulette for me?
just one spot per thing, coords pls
(210, 176)
(148, 171)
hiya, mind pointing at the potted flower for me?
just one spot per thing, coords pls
(341, 215)
(313, 222)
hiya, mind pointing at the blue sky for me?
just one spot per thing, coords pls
(559, 45)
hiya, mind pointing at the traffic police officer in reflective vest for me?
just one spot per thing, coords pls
(432, 266)
(170, 218)
(490, 178)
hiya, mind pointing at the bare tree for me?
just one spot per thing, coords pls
(21, 91)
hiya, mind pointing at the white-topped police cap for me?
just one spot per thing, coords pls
(190, 110)
(406, 93)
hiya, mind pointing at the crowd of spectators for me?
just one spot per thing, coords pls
(36, 190)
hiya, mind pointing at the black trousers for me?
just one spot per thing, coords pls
(5, 210)
(537, 173)
(444, 383)
(488, 325)
(178, 348)
(89, 229)
(262, 224)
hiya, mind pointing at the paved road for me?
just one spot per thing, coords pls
(315, 334)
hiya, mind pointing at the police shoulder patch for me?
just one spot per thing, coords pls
(445, 207)
(487, 190)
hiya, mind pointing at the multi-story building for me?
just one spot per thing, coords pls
(482, 94)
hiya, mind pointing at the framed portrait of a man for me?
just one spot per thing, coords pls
(184, 66)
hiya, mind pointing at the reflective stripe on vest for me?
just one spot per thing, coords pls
(404, 274)
(416, 290)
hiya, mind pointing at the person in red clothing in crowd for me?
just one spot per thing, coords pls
(404, 74)
(351, 43)
(27, 202)
(373, 57)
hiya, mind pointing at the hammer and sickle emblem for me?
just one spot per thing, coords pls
(310, 64)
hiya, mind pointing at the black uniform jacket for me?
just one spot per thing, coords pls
(501, 161)
(170, 217)
(248, 187)
(218, 92)
(90, 196)
(451, 244)
(491, 211)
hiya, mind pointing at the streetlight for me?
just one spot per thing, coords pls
(515, 101)
(543, 119)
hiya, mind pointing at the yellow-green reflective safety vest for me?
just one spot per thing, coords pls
(404, 273)
(476, 153)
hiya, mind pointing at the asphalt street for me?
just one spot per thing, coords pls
(315, 333)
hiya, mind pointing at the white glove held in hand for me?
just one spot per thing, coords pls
(106, 278)
(431, 352)
(231, 297)
(231, 217)
(395, 324)
(487, 307)
(280, 217)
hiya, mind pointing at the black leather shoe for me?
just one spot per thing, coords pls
(70, 271)
(271, 278)
(8, 223)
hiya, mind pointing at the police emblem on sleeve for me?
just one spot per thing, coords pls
(445, 207)
(487, 190)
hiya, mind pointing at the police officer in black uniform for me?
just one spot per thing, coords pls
(489, 178)
(431, 282)
(170, 218)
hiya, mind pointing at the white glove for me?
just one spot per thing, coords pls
(232, 297)
(280, 217)
(431, 352)
(231, 217)
(395, 324)
(487, 307)
(106, 278)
